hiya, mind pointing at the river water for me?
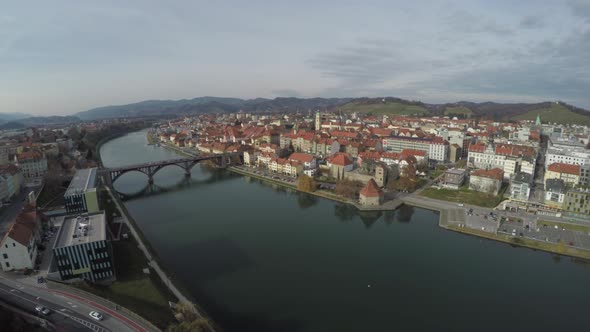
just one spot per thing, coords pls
(261, 258)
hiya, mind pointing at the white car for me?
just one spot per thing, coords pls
(42, 310)
(95, 315)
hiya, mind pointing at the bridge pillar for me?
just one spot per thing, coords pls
(151, 179)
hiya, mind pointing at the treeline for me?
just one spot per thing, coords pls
(89, 141)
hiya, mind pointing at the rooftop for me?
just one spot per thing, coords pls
(85, 228)
(84, 180)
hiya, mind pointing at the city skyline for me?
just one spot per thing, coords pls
(63, 58)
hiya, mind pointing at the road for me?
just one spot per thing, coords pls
(68, 310)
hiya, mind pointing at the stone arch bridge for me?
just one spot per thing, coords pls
(151, 168)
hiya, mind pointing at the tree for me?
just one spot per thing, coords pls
(306, 183)
(348, 188)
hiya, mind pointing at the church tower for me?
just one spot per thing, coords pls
(318, 121)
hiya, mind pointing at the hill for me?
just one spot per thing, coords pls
(557, 113)
(549, 111)
(5, 117)
(388, 105)
(207, 105)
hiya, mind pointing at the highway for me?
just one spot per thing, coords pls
(69, 311)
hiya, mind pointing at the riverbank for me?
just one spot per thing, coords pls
(165, 278)
(450, 217)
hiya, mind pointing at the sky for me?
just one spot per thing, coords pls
(61, 57)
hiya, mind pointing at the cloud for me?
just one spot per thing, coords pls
(532, 22)
(462, 21)
(580, 8)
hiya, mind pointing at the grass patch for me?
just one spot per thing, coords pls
(144, 294)
(556, 114)
(385, 108)
(464, 195)
(571, 227)
(458, 110)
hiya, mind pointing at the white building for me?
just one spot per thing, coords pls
(18, 249)
(33, 164)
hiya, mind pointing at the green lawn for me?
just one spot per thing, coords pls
(464, 195)
(458, 110)
(141, 293)
(556, 114)
(389, 108)
(572, 227)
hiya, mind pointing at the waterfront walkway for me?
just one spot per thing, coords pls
(152, 262)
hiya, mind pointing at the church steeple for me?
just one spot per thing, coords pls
(538, 121)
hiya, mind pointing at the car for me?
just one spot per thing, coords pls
(95, 315)
(42, 309)
(40, 280)
(460, 204)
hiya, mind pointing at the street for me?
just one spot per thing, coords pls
(68, 309)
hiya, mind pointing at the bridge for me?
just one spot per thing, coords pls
(151, 168)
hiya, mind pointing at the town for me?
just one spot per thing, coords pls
(521, 182)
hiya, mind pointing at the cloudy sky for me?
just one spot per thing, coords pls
(61, 57)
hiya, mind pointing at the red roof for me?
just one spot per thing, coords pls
(341, 159)
(371, 189)
(494, 173)
(19, 233)
(564, 168)
(301, 157)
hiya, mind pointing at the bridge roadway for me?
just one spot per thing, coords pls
(151, 168)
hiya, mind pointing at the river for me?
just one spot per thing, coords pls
(261, 258)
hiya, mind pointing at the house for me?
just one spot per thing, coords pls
(33, 164)
(520, 186)
(567, 172)
(454, 178)
(487, 181)
(18, 249)
(555, 190)
(339, 164)
(371, 194)
(306, 159)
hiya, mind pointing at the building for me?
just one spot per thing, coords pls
(82, 250)
(339, 164)
(520, 186)
(18, 249)
(567, 172)
(577, 202)
(81, 195)
(487, 181)
(508, 157)
(33, 164)
(371, 194)
(436, 148)
(455, 153)
(454, 178)
(555, 190)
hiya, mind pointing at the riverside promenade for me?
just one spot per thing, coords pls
(152, 261)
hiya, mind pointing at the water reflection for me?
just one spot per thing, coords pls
(405, 213)
(306, 200)
(211, 176)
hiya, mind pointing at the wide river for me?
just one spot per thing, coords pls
(261, 258)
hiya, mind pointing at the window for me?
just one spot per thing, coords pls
(5, 256)
(13, 244)
(7, 264)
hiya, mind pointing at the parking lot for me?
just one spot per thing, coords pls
(553, 234)
(482, 220)
(269, 174)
